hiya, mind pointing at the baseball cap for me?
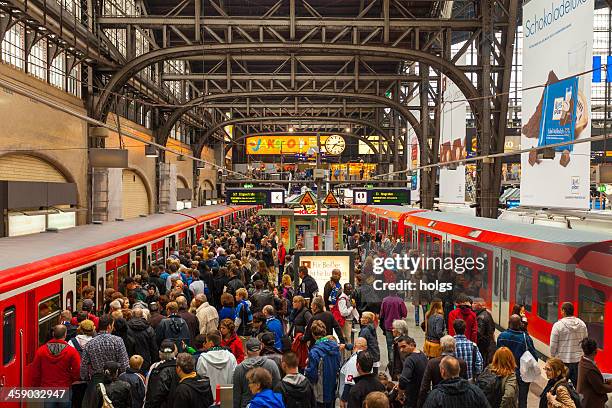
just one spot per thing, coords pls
(87, 325)
(167, 346)
(268, 339)
(253, 344)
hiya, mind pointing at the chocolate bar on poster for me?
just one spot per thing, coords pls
(558, 122)
(532, 127)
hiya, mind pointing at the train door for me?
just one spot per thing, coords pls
(132, 263)
(140, 260)
(100, 283)
(68, 293)
(13, 315)
(84, 277)
(500, 308)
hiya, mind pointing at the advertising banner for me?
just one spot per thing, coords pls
(452, 143)
(557, 50)
(282, 144)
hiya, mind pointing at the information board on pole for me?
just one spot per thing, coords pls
(252, 196)
(381, 196)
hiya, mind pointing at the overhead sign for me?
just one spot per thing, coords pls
(331, 200)
(282, 144)
(309, 210)
(307, 199)
(252, 196)
(381, 196)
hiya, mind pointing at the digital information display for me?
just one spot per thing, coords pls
(250, 196)
(381, 196)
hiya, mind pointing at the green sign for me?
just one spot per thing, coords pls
(369, 186)
(390, 196)
(248, 185)
(247, 197)
(601, 188)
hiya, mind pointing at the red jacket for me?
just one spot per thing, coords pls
(55, 364)
(234, 344)
(282, 253)
(469, 317)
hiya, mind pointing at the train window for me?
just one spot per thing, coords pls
(496, 277)
(9, 328)
(48, 316)
(122, 272)
(548, 296)
(110, 278)
(591, 304)
(523, 286)
(484, 272)
(505, 280)
(83, 278)
(456, 250)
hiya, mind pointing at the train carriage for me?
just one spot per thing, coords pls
(43, 274)
(537, 266)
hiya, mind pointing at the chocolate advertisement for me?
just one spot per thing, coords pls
(556, 102)
(452, 143)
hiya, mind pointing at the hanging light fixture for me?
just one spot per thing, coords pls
(291, 129)
(151, 151)
(180, 157)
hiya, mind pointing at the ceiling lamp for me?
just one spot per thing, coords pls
(151, 151)
(180, 157)
(291, 129)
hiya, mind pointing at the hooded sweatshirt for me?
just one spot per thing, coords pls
(218, 365)
(297, 391)
(456, 393)
(466, 314)
(193, 392)
(323, 366)
(242, 394)
(267, 399)
(55, 365)
(565, 339)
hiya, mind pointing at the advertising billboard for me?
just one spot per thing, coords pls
(321, 263)
(557, 51)
(282, 144)
(452, 143)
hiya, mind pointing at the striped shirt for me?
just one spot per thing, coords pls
(467, 351)
(565, 339)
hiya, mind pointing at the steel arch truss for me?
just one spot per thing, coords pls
(352, 60)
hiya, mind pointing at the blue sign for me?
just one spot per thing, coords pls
(558, 121)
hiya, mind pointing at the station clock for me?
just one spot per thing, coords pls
(335, 144)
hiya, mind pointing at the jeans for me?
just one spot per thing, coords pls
(523, 392)
(389, 338)
(573, 373)
(416, 313)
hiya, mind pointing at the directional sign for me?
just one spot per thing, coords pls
(331, 200)
(253, 196)
(382, 196)
(307, 199)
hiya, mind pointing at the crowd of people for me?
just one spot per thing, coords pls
(232, 311)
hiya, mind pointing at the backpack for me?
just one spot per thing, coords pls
(572, 392)
(175, 334)
(106, 401)
(293, 399)
(491, 385)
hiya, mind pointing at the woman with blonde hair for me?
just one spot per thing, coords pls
(502, 367)
(434, 329)
(557, 392)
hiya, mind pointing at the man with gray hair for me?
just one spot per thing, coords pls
(433, 376)
(207, 315)
(189, 318)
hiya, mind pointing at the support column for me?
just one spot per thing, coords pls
(427, 175)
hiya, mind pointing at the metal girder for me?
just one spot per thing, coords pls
(175, 116)
(287, 77)
(200, 144)
(132, 67)
(393, 24)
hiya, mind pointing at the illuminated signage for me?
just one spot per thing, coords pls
(320, 267)
(282, 144)
(309, 210)
(381, 196)
(250, 196)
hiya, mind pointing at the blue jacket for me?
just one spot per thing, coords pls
(267, 399)
(275, 326)
(328, 352)
(515, 341)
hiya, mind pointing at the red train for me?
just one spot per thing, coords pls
(538, 266)
(42, 274)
